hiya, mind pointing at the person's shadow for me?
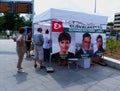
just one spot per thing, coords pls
(21, 77)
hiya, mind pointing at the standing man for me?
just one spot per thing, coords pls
(84, 50)
(8, 33)
(38, 45)
(46, 45)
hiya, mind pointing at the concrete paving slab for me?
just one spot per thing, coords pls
(96, 78)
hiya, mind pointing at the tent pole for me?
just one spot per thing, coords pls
(50, 68)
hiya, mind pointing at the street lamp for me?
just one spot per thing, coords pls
(95, 7)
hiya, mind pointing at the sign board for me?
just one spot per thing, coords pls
(6, 7)
(16, 7)
(23, 7)
(82, 40)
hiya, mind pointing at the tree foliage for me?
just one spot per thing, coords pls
(110, 24)
(13, 21)
(2, 21)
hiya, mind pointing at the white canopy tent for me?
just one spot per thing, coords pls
(56, 14)
(67, 17)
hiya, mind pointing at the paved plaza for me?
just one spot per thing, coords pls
(96, 78)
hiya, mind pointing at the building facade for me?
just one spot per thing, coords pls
(117, 21)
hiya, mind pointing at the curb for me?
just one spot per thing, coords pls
(112, 62)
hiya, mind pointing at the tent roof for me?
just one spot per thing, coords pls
(58, 14)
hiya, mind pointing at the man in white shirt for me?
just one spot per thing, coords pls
(8, 33)
(46, 45)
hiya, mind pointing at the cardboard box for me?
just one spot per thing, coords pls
(84, 62)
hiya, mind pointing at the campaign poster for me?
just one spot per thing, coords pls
(99, 44)
(83, 45)
(63, 43)
(56, 43)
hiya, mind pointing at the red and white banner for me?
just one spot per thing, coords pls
(57, 26)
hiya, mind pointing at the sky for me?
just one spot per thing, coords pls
(103, 7)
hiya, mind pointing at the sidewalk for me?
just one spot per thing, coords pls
(96, 78)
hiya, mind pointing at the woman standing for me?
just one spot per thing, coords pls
(20, 48)
(28, 43)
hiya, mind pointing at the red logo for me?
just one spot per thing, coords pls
(57, 26)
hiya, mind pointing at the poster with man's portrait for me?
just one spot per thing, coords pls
(84, 44)
(99, 43)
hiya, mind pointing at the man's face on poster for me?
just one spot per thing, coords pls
(86, 43)
(99, 43)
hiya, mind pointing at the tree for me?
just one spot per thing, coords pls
(9, 19)
(29, 20)
(1, 22)
(110, 24)
(19, 22)
(13, 21)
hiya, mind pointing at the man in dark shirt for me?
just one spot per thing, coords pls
(100, 51)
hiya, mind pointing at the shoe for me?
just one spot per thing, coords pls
(41, 67)
(102, 63)
(35, 65)
(20, 70)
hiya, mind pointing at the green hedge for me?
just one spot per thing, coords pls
(112, 45)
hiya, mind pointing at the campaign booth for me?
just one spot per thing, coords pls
(72, 32)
